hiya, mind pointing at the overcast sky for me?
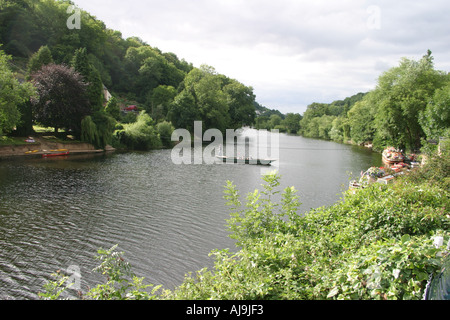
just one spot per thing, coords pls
(292, 52)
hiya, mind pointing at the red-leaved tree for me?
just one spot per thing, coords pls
(61, 100)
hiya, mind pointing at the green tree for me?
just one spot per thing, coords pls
(404, 92)
(140, 135)
(91, 77)
(262, 123)
(318, 127)
(148, 69)
(12, 96)
(275, 120)
(309, 123)
(39, 59)
(183, 111)
(241, 104)
(89, 131)
(361, 119)
(112, 108)
(292, 122)
(162, 97)
(435, 119)
(105, 126)
(325, 125)
(206, 87)
(165, 130)
(339, 131)
(329, 121)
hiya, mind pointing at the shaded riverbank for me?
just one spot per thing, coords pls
(43, 145)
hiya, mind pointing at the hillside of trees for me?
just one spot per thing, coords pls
(326, 120)
(35, 41)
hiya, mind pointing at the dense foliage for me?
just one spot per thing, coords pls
(13, 94)
(375, 244)
(268, 119)
(140, 135)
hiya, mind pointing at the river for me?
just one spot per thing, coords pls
(166, 218)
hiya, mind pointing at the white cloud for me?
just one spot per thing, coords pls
(292, 52)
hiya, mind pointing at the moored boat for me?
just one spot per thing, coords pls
(251, 161)
(55, 154)
(392, 155)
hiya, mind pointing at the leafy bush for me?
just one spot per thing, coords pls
(392, 269)
(436, 171)
(98, 129)
(121, 282)
(140, 135)
(165, 130)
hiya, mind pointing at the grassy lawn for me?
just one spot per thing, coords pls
(12, 141)
(45, 130)
(48, 134)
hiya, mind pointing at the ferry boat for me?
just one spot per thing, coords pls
(251, 161)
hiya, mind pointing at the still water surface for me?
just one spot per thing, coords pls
(166, 218)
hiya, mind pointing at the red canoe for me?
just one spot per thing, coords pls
(55, 154)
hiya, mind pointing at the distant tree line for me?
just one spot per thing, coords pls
(409, 106)
(269, 119)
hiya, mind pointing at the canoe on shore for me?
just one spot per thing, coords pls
(251, 161)
(55, 154)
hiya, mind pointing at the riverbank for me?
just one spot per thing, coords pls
(40, 145)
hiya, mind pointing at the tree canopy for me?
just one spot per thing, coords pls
(61, 100)
(12, 95)
(403, 94)
(220, 102)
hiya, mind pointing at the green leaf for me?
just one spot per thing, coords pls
(406, 238)
(421, 276)
(333, 293)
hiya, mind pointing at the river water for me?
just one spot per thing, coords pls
(166, 218)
